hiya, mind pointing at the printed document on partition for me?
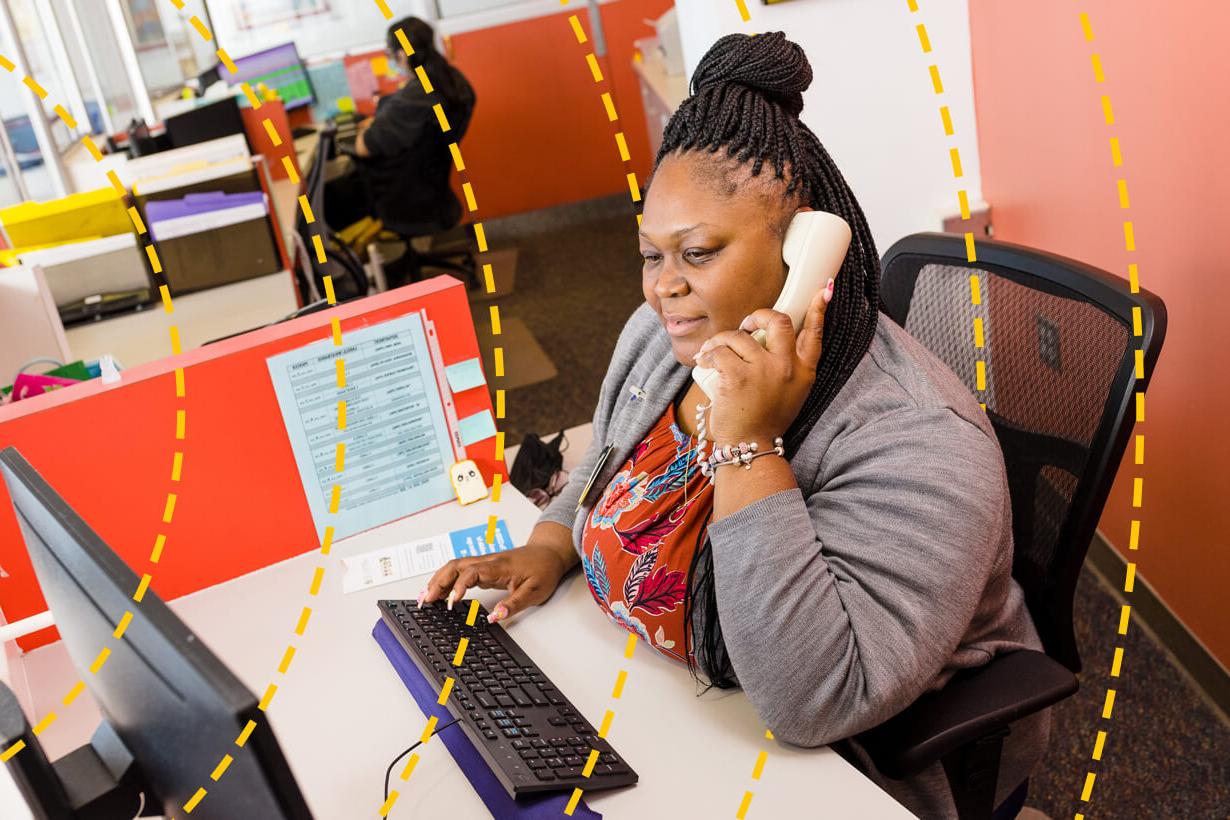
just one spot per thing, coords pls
(397, 449)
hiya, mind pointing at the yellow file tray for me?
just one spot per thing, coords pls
(80, 216)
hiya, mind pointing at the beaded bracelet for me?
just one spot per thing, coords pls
(741, 453)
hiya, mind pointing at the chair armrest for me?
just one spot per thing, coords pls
(973, 704)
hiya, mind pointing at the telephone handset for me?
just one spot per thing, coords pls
(814, 248)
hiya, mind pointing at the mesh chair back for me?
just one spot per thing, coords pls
(1057, 369)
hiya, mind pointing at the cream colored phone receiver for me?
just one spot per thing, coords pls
(815, 246)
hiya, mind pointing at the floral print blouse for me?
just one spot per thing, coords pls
(639, 539)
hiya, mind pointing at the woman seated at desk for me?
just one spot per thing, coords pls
(834, 585)
(404, 163)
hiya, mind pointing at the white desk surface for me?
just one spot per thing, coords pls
(285, 198)
(137, 338)
(341, 713)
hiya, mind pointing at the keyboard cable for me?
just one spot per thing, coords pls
(389, 771)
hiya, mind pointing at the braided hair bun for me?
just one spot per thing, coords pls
(766, 63)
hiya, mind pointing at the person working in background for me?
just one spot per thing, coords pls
(401, 176)
(868, 557)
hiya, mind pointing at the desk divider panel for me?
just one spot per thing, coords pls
(240, 505)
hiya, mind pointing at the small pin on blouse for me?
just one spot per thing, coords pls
(637, 393)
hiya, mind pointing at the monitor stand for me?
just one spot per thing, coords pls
(98, 781)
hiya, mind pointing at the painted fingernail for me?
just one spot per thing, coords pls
(832, 284)
(499, 614)
(422, 595)
(743, 325)
(452, 596)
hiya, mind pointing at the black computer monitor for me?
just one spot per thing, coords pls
(206, 122)
(279, 68)
(208, 77)
(167, 701)
(140, 141)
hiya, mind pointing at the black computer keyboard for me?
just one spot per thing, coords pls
(526, 730)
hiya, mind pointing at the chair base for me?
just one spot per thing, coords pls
(411, 266)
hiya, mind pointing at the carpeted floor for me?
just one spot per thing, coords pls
(578, 280)
(1166, 753)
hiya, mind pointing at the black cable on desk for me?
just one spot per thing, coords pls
(389, 771)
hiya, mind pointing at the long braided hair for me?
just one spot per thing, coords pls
(747, 94)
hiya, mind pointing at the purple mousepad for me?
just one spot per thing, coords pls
(476, 770)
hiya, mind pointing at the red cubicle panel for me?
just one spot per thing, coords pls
(262, 142)
(109, 450)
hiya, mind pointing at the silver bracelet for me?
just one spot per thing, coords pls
(741, 453)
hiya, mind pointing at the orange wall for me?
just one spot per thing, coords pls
(1047, 172)
(540, 135)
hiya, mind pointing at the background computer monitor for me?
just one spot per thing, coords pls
(205, 122)
(141, 142)
(174, 705)
(279, 68)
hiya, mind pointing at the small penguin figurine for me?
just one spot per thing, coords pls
(468, 482)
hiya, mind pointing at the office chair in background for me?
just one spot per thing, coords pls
(348, 275)
(413, 264)
(1060, 353)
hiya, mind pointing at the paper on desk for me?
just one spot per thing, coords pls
(477, 427)
(389, 564)
(465, 375)
(397, 447)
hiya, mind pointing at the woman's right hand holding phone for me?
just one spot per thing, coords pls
(529, 573)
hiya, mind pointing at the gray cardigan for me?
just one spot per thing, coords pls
(885, 573)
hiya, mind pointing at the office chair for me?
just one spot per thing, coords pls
(347, 272)
(413, 263)
(1060, 353)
